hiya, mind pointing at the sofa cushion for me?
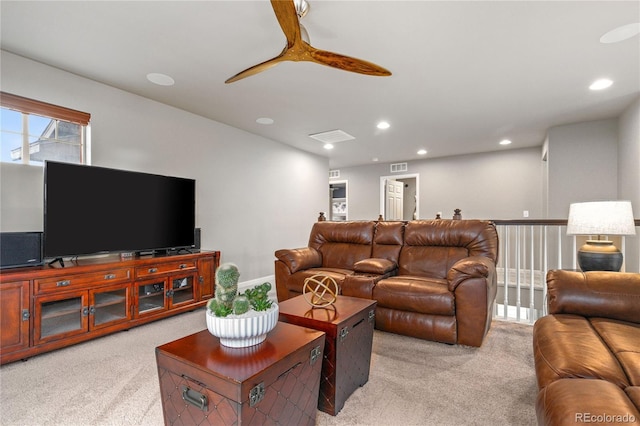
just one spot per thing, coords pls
(633, 392)
(580, 401)
(566, 346)
(342, 244)
(415, 294)
(595, 294)
(623, 339)
(374, 266)
(432, 247)
(302, 258)
(429, 261)
(388, 240)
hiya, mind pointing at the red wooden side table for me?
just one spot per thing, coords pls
(348, 325)
(276, 381)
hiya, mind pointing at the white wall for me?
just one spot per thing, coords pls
(583, 164)
(254, 195)
(629, 155)
(495, 185)
(629, 174)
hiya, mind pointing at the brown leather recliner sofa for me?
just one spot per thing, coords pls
(432, 279)
(587, 350)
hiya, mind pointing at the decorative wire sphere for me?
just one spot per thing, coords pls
(320, 290)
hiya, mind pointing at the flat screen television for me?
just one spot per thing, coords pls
(90, 210)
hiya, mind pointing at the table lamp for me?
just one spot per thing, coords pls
(600, 218)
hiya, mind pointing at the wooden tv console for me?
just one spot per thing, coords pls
(50, 307)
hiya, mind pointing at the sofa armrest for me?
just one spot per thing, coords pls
(614, 295)
(469, 267)
(300, 258)
(374, 266)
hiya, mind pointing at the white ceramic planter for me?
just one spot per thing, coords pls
(240, 331)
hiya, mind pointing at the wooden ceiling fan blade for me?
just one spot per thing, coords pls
(285, 11)
(263, 66)
(347, 63)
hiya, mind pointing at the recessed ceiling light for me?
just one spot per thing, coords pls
(603, 83)
(621, 33)
(375, 159)
(505, 142)
(264, 120)
(383, 125)
(328, 146)
(160, 79)
(422, 152)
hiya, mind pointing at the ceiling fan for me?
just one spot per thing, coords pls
(288, 13)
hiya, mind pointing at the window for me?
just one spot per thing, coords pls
(34, 131)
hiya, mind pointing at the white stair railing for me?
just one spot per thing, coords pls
(530, 248)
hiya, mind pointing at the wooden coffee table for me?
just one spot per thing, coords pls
(274, 382)
(348, 325)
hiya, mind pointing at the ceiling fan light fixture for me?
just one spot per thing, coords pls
(288, 14)
(302, 7)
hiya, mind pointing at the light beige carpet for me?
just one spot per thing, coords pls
(113, 381)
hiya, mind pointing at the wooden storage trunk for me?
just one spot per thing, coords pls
(276, 381)
(348, 325)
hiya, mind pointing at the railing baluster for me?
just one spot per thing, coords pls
(532, 307)
(545, 268)
(559, 248)
(506, 273)
(518, 268)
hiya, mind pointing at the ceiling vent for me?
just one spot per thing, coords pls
(399, 167)
(334, 174)
(332, 136)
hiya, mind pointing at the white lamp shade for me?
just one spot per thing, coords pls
(601, 218)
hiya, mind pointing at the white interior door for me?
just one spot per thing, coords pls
(394, 196)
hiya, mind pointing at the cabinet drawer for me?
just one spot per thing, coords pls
(76, 281)
(163, 268)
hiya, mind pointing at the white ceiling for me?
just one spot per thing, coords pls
(465, 74)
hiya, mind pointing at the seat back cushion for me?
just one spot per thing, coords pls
(431, 247)
(388, 240)
(342, 243)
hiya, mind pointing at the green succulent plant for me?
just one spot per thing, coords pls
(259, 298)
(227, 300)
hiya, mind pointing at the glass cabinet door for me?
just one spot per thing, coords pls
(109, 305)
(182, 290)
(60, 316)
(151, 296)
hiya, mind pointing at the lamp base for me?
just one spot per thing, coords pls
(599, 255)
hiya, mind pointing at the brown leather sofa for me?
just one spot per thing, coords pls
(432, 279)
(587, 350)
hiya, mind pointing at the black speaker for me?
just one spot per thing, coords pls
(196, 239)
(20, 249)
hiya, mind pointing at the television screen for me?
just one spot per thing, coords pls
(90, 210)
